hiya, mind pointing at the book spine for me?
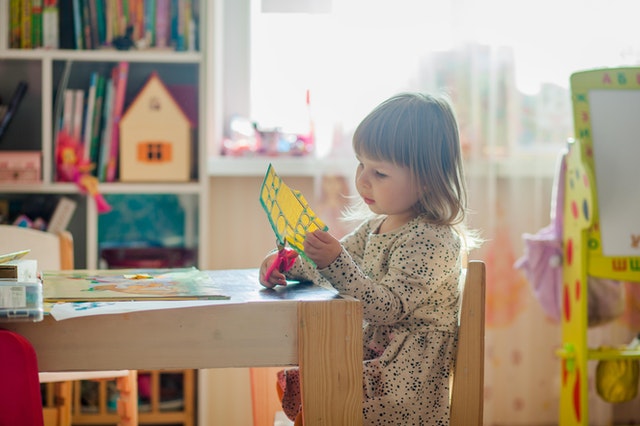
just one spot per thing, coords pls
(119, 23)
(181, 17)
(88, 117)
(25, 22)
(101, 20)
(85, 17)
(67, 114)
(36, 23)
(92, 22)
(78, 113)
(150, 21)
(66, 25)
(120, 76)
(97, 121)
(105, 145)
(77, 24)
(162, 23)
(50, 24)
(14, 24)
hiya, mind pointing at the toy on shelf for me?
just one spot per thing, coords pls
(72, 167)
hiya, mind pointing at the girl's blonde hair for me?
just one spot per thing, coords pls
(420, 132)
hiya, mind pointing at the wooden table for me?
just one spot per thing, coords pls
(301, 324)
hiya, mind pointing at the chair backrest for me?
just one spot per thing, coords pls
(468, 375)
(20, 402)
(52, 251)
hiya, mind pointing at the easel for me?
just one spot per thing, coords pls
(582, 239)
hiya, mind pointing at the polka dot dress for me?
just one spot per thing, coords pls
(407, 281)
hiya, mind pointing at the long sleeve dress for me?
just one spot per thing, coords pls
(407, 281)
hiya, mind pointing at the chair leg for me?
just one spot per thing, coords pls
(63, 401)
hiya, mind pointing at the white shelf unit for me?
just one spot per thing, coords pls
(33, 127)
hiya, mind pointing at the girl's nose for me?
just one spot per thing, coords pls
(362, 179)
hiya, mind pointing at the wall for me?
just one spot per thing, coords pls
(240, 236)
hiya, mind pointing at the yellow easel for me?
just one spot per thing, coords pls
(582, 239)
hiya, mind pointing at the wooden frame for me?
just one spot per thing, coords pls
(467, 397)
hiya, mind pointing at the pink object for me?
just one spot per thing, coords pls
(20, 400)
(542, 265)
(283, 261)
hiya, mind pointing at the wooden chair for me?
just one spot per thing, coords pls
(468, 376)
(55, 252)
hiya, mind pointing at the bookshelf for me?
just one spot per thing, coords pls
(35, 125)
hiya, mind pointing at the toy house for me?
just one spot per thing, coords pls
(155, 137)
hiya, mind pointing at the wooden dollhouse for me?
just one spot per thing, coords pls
(600, 239)
(155, 137)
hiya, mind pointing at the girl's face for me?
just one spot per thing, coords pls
(387, 189)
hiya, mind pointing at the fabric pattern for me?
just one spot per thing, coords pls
(407, 281)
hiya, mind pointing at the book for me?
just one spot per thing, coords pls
(62, 215)
(163, 24)
(101, 22)
(15, 29)
(78, 112)
(119, 76)
(92, 22)
(50, 16)
(96, 126)
(67, 111)
(78, 29)
(25, 25)
(16, 98)
(66, 25)
(36, 23)
(85, 17)
(105, 139)
(129, 284)
(150, 21)
(88, 116)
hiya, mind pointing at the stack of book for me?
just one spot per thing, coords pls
(91, 117)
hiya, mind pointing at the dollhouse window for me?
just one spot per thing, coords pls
(154, 152)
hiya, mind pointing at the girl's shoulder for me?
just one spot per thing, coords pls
(420, 228)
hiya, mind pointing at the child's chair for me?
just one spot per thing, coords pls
(20, 389)
(468, 376)
(54, 252)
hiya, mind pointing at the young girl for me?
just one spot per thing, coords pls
(403, 262)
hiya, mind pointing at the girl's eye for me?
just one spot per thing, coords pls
(380, 174)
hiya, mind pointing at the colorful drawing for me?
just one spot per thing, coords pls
(288, 212)
(129, 284)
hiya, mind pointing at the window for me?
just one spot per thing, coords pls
(505, 64)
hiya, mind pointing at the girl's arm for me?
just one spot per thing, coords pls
(417, 272)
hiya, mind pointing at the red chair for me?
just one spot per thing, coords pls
(20, 400)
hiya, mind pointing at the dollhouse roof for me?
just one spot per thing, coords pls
(154, 82)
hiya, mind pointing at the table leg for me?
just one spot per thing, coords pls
(330, 359)
(128, 399)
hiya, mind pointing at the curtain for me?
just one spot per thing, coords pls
(506, 67)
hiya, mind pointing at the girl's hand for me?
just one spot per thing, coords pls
(276, 278)
(322, 247)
